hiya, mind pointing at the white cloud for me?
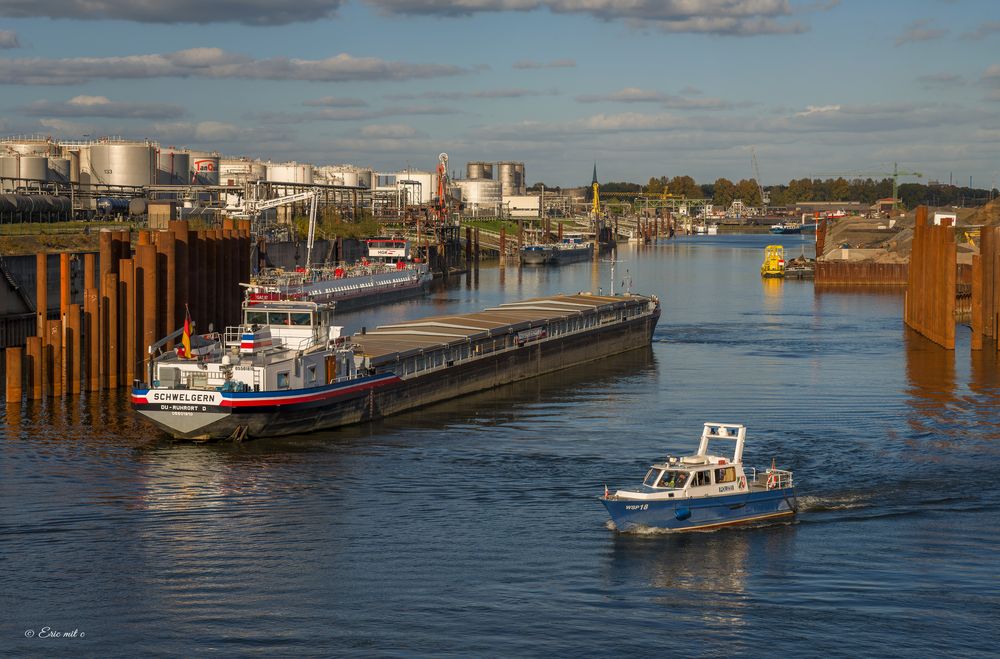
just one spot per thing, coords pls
(334, 102)
(553, 64)
(984, 30)
(101, 106)
(213, 63)
(390, 131)
(818, 109)
(722, 17)
(8, 39)
(626, 95)
(481, 94)
(66, 128)
(920, 31)
(248, 12)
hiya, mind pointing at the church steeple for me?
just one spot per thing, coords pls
(594, 182)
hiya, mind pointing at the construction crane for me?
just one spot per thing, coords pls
(895, 174)
(765, 198)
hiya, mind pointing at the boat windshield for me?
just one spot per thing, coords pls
(673, 479)
(651, 476)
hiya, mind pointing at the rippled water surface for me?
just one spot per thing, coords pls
(472, 528)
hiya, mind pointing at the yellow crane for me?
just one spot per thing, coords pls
(597, 197)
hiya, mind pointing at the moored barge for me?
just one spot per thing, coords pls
(287, 370)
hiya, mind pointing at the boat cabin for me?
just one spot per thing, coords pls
(701, 474)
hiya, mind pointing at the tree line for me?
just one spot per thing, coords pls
(867, 190)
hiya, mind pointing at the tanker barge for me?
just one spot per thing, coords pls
(287, 370)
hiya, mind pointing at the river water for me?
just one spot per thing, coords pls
(473, 527)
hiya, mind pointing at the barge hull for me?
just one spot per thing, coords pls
(394, 395)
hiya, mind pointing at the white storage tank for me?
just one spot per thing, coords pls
(237, 171)
(421, 186)
(290, 172)
(8, 170)
(174, 167)
(478, 170)
(59, 170)
(522, 186)
(28, 146)
(122, 163)
(480, 195)
(510, 174)
(34, 168)
(204, 167)
(73, 154)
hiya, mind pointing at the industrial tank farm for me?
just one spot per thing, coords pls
(101, 176)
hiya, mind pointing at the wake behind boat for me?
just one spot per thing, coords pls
(704, 491)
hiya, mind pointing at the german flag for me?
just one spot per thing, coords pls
(186, 336)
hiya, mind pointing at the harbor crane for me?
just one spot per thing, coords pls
(252, 208)
(895, 174)
(765, 198)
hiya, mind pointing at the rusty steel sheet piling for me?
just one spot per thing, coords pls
(55, 332)
(146, 304)
(91, 333)
(74, 354)
(14, 389)
(108, 359)
(41, 293)
(127, 318)
(929, 307)
(33, 368)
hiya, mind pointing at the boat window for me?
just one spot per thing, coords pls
(301, 319)
(277, 318)
(256, 318)
(312, 373)
(702, 478)
(725, 475)
(651, 477)
(674, 479)
(283, 380)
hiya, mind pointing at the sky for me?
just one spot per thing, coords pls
(639, 87)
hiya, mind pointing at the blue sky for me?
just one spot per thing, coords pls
(643, 88)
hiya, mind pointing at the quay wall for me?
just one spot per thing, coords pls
(96, 312)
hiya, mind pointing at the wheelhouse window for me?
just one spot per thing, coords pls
(277, 318)
(301, 319)
(283, 380)
(725, 475)
(674, 479)
(256, 318)
(651, 477)
(702, 478)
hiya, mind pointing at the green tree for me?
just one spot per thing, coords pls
(724, 192)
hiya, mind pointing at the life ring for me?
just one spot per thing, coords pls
(772, 480)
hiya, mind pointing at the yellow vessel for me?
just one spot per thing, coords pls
(774, 261)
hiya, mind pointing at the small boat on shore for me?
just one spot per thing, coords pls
(783, 229)
(704, 491)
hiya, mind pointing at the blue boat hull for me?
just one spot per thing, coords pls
(704, 513)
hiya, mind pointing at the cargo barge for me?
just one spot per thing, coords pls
(288, 370)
